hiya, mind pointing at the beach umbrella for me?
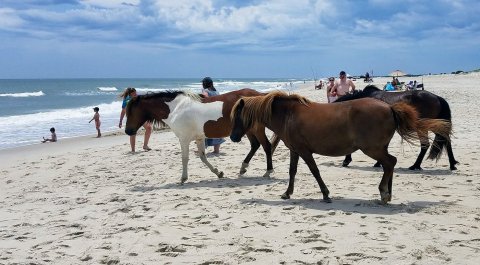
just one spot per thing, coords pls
(397, 73)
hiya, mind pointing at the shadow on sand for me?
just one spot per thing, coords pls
(349, 205)
(243, 181)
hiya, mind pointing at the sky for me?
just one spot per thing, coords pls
(242, 39)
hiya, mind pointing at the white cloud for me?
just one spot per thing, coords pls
(267, 17)
(110, 3)
(9, 19)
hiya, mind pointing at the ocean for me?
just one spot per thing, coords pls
(30, 107)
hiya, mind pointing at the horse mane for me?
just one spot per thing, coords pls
(166, 96)
(171, 94)
(259, 108)
(366, 92)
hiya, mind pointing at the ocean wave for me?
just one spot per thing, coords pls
(60, 115)
(23, 94)
(107, 89)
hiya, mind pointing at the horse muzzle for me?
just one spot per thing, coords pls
(130, 132)
(235, 138)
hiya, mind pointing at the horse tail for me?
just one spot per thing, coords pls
(406, 118)
(439, 142)
(409, 125)
(274, 140)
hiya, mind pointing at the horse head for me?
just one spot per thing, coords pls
(150, 107)
(239, 127)
(136, 116)
(246, 112)
(249, 112)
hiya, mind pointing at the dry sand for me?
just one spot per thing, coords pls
(88, 201)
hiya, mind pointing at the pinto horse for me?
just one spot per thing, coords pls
(307, 127)
(428, 105)
(192, 117)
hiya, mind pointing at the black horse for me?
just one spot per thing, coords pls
(427, 104)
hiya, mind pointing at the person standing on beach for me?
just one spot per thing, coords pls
(343, 86)
(96, 117)
(53, 138)
(331, 83)
(210, 91)
(128, 94)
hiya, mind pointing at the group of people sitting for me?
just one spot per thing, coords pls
(396, 85)
(393, 85)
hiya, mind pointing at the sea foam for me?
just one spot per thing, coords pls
(108, 89)
(23, 94)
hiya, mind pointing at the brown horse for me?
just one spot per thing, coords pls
(428, 105)
(193, 118)
(306, 127)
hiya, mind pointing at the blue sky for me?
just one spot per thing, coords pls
(250, 38)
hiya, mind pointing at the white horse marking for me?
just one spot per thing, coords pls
(186, 119)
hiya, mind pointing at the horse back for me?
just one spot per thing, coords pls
(222, 127)
(337, 129)
(230, 98)
(427, 104)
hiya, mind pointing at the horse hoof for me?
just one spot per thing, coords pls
(243, 169)
(414, 167)
(267, 174)
(327, 200)
(377, 165)
(285, 196)
(220, 175)
(346, 163)
(385, 197)
(453, 168)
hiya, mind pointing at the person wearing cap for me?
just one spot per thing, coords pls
(210, 91)
(343, 86)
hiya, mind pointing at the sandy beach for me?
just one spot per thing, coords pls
(89, 201)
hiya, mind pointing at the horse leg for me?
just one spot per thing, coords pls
(451, 158)
(292, 172)
(267, 148)
(347, 160)
(388, 163)
(201, 150)
(274, 142)
(424, 145)
(254, 145)
(308, 158)
(185, 149)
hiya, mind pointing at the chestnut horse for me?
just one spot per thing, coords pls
(191, 118)
(307, 127)
(428, 105)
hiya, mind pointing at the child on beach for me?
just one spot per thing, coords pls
(53, 137)
(96, 117)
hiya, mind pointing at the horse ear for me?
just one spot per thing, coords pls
(241, 104)
(238, 105)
